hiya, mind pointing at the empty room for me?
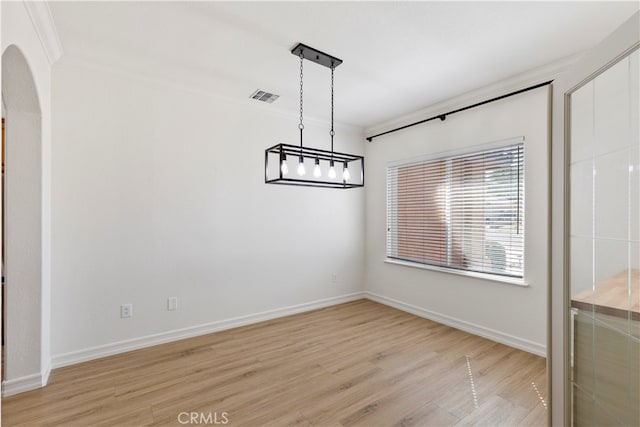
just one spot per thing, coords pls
(308, 213)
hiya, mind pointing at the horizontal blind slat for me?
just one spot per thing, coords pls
(463, 212)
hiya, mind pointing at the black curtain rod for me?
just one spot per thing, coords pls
(444, 115)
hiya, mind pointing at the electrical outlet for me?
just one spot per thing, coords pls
(126, 310)
(334, 278)
(172, 303)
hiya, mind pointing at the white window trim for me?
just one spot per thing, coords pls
(486, 276)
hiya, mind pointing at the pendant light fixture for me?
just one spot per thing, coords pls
(324, 174)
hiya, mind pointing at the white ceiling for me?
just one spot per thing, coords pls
(398, 56)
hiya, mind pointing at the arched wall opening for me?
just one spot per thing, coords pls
(22, 234)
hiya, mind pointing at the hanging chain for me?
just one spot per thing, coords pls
(332, 132)
(301, 125)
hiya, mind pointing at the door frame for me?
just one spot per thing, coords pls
(617, 45)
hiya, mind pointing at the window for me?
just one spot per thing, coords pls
(460, 211)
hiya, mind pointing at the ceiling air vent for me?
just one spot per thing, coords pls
(263, 96)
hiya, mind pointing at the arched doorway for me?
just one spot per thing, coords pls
(22, 220)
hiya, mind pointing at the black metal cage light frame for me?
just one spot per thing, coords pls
(279, 152)
(350, 167)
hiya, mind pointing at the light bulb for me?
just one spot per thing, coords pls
(332, 170)
(283, 166)
(316, 170)
(345, 173)
(301, 169)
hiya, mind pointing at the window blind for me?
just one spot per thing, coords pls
(463, 211)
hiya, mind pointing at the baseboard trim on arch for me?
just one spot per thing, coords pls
(472, 328)
(26, 383)
(46, 373)
(111, 349)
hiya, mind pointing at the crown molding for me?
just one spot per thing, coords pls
(538, 75)
(45, 27)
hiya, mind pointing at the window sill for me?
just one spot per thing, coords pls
(485, 276)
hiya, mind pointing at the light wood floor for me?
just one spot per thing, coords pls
(355, 364)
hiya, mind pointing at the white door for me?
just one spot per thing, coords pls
(595, 274)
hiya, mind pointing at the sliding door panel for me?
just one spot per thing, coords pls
(604, 242)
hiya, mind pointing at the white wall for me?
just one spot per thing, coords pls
(28, 316)
(508, 313)
(159, 192)
(23, 234)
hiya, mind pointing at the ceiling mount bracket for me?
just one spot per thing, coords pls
(315, 55)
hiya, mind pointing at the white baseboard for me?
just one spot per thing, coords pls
(192, 331)
(45, 374)
(26, 383)
(22, 384)
(501, 337)
(38, 380)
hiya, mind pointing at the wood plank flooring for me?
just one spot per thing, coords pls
(355, 364)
